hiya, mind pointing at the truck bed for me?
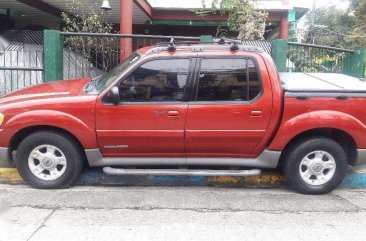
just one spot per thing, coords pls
(322, 82)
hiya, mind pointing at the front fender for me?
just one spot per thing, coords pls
(317, 120)
(83, 132)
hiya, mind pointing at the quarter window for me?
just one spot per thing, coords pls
(157, 80)
(228, 80)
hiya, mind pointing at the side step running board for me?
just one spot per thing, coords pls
(180, 172)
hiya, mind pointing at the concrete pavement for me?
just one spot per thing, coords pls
(179, 213)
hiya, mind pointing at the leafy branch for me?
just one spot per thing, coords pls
(88, 18)
(243, 18)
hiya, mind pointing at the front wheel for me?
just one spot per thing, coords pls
(48, 160)
(315, 166)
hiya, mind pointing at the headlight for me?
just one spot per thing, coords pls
(1, 118)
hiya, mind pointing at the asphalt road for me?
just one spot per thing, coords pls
(179, 213)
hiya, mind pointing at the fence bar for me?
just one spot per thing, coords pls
(128, 36)
(21, 68)
(321, 47)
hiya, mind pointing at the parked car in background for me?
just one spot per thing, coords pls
(214, 109)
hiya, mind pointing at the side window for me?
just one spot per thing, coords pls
(157, 80)
(228, 80)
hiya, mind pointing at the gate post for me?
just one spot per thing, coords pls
(52, 55)
(355, 64)
(279, 52)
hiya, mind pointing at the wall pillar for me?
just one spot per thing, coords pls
(52, 55)
(279, 54)
(284, 27)
(355, 64)
(125, 27)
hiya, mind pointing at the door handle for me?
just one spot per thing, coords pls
(173, 113)
(256, 113)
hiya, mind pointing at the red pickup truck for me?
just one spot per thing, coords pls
(188, 109)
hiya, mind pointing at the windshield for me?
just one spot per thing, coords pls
(99, 83)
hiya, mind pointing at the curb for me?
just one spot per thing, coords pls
(356, 178)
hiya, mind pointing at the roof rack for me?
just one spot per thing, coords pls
(197, 46)
(171, 46)
(222, 41)
(234, 46)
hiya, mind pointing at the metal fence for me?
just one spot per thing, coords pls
(265, 45)
(21, 60)
(20, 69)
(316, 58)
(92, 54)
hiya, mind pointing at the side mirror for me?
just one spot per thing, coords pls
(113, 95)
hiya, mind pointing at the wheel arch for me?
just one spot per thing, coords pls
(340, 136)
(19, 136)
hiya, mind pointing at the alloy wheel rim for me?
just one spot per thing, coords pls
(47, 162)
(317, 168)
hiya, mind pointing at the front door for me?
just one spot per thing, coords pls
(230, 112)
(151, 115)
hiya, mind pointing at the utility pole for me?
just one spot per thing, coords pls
(312, 20)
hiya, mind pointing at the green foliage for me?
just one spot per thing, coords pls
(329, 26)
(242, 18)
(88, 18)
(357, 37)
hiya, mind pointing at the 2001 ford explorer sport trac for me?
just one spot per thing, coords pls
(189, 110)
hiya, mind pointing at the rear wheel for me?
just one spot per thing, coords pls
(48, 159)
(315, 166)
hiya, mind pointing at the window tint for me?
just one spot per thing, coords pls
(228, 80)
(157, 80)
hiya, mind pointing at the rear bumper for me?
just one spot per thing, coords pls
(361, 157)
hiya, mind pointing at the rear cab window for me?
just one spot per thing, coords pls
(228, 79)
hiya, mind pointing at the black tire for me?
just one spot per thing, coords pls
(70, 148)
(299, 150)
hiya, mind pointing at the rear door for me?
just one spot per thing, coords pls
(231, 110)
(150, 118)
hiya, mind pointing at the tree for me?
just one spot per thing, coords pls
(357, 36)
(325, 26)
(88, 18)
(242, 18)
(85, 17)
(330, 27)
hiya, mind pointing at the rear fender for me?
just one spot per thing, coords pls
(291, 128)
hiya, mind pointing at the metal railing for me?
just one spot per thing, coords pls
(317, 58)
(20, 69)
(21, 60)
(92, 54)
